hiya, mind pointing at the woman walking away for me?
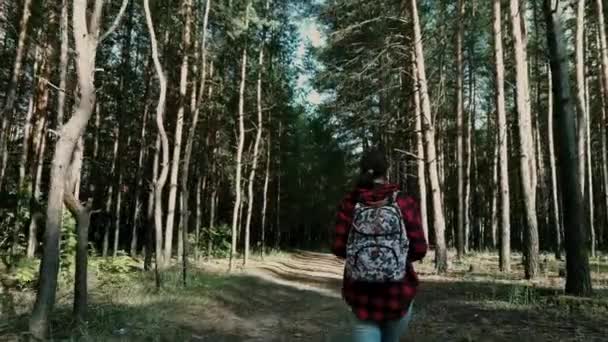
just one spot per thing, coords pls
(379, 234)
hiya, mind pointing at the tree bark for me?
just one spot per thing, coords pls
(429, 132)
(603, 48)
(82, 215)
(159, 183)
(554, 198)
(420, 154)
(239, 152)
(460, 132)
(86, 40)
(110, 196)
(503, 147)
(578, 278)
(604, 132)
(580, 91)
(256, 147)
(179, 126)
(139, 183)
(192, 132)
(151, 229)
(527, 150)
(12, 87)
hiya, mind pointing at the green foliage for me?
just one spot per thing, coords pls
(68, 243)
(523, 295)
(15, 213)
(116, 271)
(23, 275)
(221, 237)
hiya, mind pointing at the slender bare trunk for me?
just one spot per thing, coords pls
(265, 194)
(278, 201)
(195, 110)
(117, 210)
(580, 91)
(82, 215)
(179, 126)
(420, 153)
(460, 216)
(110, 196)
(198, 218)
(603, 132)
(27, 129)
(603, 47)
(554, 198)
(256, 147)
(589, 176)
(527, 153)
(578, 278)
(86, 40)
(503, 152)
(11, 96)
(239, 152)
(429, 132)
(495, 196)
(150, 229)
(63, 62)
(139, 183)
(212, 210)
(159, 183)
(468, 160)
(36, 209)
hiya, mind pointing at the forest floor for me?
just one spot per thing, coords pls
(296, 297)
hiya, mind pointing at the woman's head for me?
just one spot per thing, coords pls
(373, 166)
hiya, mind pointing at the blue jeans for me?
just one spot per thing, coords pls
(368, 331)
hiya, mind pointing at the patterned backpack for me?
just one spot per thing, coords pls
(377, 245)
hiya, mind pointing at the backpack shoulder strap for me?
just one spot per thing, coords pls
(395, 196)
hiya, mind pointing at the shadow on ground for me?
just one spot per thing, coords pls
(273, 306)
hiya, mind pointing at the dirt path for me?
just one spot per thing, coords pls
(296, 298)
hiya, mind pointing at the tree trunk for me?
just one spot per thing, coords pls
(468, 160)
(429, 132)
(198, 219)
(604, 132)
(265, 192)
(138, 183)
(27, 129)
(177, 143)
(86, 40)
(277, 242)
(527, 153)
(580, 91)
(12, 87)
(150, 229)
(256, 147)
(110, 196)
(239, 152)
(503, 147)
(554, 198)
(63, 62)
(495, 186)
(36, 209)
(117, 210)
(603, 47)
(159, 183)
(589, 176)
(82, 215)
(578, 278)
(460, 131)
(420, 154)
(192, 132)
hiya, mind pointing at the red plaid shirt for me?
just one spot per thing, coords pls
(383, 301)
